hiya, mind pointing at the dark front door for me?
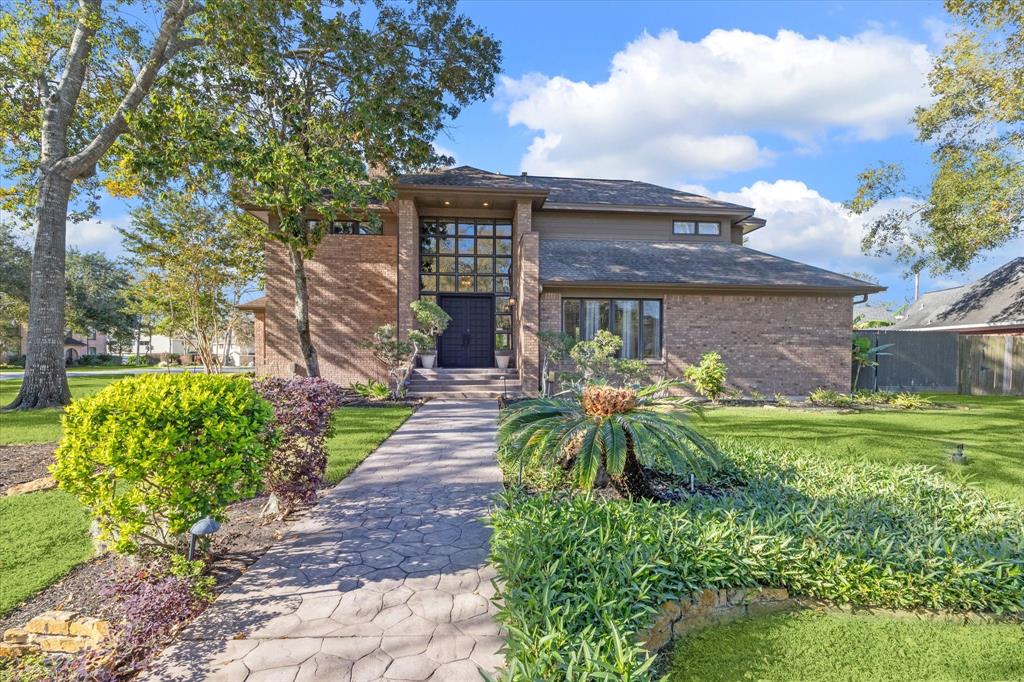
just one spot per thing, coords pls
(469, 339)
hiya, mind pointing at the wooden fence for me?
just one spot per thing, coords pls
(989, 364)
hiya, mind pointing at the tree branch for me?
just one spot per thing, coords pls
(165, 47)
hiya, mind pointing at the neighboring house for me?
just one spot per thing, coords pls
(873, 315)
(510, 256)
(75, 344)
(993, 304)
(239, 354)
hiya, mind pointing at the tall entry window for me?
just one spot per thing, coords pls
(636, 321)
(469, 256)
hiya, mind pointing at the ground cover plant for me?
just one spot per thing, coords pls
(859, 533)
(990, 427)
(837, 648)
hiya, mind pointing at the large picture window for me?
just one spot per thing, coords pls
(469, 255)
(636, 321)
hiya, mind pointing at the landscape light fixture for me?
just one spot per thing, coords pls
(959, 456)
(202, 527)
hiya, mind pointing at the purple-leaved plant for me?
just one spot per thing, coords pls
(302, 417)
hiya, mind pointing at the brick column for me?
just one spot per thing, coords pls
(408, 263)
(528, 289)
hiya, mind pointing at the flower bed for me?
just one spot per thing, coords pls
(582, 577)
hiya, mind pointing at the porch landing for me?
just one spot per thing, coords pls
(483, 383)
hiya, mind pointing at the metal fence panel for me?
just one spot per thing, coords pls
(917, 361)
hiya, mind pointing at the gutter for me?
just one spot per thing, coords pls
(732, 288)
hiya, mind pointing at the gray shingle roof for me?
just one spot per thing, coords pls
(997, 299)
(574, 190)
(681, 263)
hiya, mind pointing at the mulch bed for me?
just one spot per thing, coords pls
(24, 463)
(241, 540)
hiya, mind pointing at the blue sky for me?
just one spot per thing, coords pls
(773, 104)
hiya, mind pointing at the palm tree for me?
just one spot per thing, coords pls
(619, 430)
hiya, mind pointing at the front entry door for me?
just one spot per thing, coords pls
(469, 339)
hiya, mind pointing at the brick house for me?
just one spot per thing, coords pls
(508, 256)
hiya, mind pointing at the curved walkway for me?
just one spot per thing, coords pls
(385, 580)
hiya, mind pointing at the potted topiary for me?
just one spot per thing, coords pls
(432, 320)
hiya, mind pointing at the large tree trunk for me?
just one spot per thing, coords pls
(302, 313)
(46, 382)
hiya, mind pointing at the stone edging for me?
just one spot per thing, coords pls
(708, 607)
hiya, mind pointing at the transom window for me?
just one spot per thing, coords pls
(347, 227)
(696, 227)
(469, 255)
(636, 321)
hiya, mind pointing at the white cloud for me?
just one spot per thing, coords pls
(805, 226)
(673, 110)
(97, 235)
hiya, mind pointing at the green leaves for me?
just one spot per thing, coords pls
(581, 576)
(150, 455)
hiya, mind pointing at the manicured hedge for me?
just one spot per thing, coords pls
(582, 576)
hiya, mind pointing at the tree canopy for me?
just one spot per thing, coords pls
(293, 107)
(975, 127)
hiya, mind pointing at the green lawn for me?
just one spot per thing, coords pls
(42, 536)
(991, 428)
(357, 432)
(41, 426)
(830, 648)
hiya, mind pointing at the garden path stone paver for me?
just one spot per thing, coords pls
(386, 579)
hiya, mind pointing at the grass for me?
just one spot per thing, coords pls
(41, 426)
(42, 536)
(357, 432)
(830, 648)
(990, 427)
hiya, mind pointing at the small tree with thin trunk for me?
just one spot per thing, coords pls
(296, 104)
(71, 76)
(198, 260)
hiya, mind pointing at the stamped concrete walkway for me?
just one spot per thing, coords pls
(385, 580)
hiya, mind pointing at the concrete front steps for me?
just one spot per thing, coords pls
(465, 384)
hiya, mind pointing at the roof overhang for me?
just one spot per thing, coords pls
(721, 288)
(1007, 328)
(255, 305)
(438, 196)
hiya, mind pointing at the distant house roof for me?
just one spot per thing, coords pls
(72, 341)
(720, 264)
(574, 191)
(874, 313)
(995, 301)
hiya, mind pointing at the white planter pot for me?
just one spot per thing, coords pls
(427, 360)
(502, 360)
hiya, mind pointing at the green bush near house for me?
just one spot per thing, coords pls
(42, 536)
(582, 576)
(151, 455)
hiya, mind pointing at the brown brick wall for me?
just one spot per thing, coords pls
(352, 284)
(408, 263)
(770, 343)
(528, 294)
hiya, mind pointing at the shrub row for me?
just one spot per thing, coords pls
(582, 576)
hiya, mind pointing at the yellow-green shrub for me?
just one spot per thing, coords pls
(152, 454)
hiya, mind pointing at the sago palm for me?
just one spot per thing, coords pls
(618, 429)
